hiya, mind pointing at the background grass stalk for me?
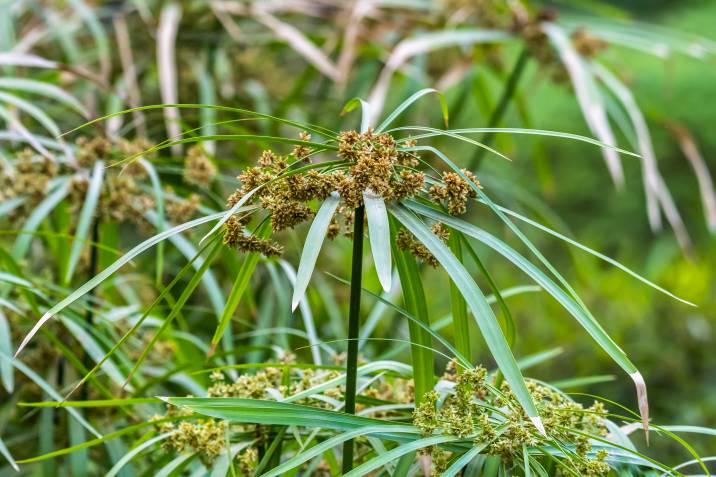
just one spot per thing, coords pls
(353, 325)
(497, 114)
(458, 305)
(93, 269)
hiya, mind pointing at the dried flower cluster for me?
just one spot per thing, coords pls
(372, 162)
(182, 210)
(198, 168)
(236, 236)
(270, 383)
(30, 177)
(455, 191)
(122, 200)
(406, 241)
(494, 419)
(206, 437)
(586, 44)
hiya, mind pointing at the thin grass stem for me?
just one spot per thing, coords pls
(501, 108)
(353, 326)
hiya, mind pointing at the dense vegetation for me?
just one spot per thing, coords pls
(355, 238)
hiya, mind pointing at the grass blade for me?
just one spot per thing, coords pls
(134, 452)
(46, 387)
(6, 453)
(420, 339)
(6, 370)
(237, 290)
(312, 247)
(87, 215)
(591, 251)
(458, 306)
(107, 272)
(579, 312)
(379, 234)
(45, 89)
(324, 446)
(257, 411)
(481, 310)
(166, 66)
(408, 102)
(394, 454)
(589, 97)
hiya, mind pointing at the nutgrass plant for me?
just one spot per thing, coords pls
(279, 415)
(326, 47)
(183, 357)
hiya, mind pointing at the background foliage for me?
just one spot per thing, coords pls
(78, 60)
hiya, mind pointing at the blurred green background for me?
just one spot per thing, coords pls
(673, 344)
(565, 183)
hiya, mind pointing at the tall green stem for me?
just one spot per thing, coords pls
(501, 108)
(93, 270)
(353, 325)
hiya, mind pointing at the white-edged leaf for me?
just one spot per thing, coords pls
(364, 369)
(650, 172)
(306, 314)
(134, 452)
(175, 464)
(44, 89)
(379, 234)
(394, 454)
(6, 372)
(6, 453)
(14, 279)
(591, 251)
(227, 215)
(327, 445)
(298, 42)
(703, 176)
(579, 312)
(312, 246)
(33, 111)
(462, 461)
(365, 112)
(589, 97)
(481, 310)
(82, 234)
(7, 206)
(27, 136)
(532, 132)
(626, 364)
(12, 58)
(408, 102)
(262, 411)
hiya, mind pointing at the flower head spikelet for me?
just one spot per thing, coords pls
(198, 168)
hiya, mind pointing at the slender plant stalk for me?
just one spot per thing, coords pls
(353, 324)
(497, 114)
(458, 305)
(414, 301)
(93, 270)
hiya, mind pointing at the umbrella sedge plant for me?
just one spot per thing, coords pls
(412, 198)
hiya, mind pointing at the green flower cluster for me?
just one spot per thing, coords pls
(493, 419)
